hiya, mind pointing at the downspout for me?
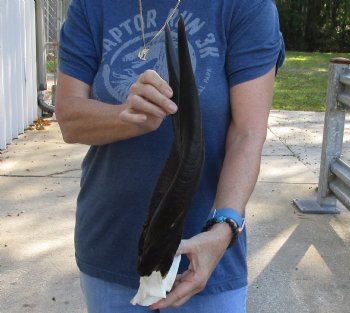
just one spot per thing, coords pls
(41, 57)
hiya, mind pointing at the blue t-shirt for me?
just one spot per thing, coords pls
(230, 42)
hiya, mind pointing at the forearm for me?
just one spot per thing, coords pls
(240, 170)
(92, 122)
(250, 104)
(87, 121)
(238, 178)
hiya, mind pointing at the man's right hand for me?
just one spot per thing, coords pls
(148, 102)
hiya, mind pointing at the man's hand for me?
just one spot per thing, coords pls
(204, 251)
(93, 122)
(148, 102)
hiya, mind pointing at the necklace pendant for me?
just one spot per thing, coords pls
(143, 53)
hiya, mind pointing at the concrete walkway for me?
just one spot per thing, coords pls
(297, 263)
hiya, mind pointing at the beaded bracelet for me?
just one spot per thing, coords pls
(228, 216)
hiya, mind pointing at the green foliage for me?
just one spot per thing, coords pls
(51, 66)
(315, 25)
(301, 83)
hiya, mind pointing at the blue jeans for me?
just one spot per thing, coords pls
(104, 297)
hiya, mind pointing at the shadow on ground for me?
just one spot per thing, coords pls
(297, 263)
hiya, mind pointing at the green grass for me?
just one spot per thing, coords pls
(301, 83)
(51, 66)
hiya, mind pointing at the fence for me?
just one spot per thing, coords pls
(50, 16)
(29, 32)
(334, 179)
(18, 102)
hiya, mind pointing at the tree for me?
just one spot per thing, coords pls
(315, 25)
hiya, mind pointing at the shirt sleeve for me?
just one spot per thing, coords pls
(255, 43)
(77, 51)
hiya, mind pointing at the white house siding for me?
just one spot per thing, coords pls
(18, 95)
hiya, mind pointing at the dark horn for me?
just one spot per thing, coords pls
(180, 176)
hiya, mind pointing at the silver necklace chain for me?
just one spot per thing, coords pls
(143, 52)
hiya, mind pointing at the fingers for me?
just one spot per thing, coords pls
(140, 105)
(182, 249)
(152, 89)
(182, 291)
(188, 283)
(148, 102)
(203, 253)
(131, 116)
(151, 77)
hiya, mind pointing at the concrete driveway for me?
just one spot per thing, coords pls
(297, 263)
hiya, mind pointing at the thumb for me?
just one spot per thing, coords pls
(183, 248)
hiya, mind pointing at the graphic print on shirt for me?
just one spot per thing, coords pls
(121, 45)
